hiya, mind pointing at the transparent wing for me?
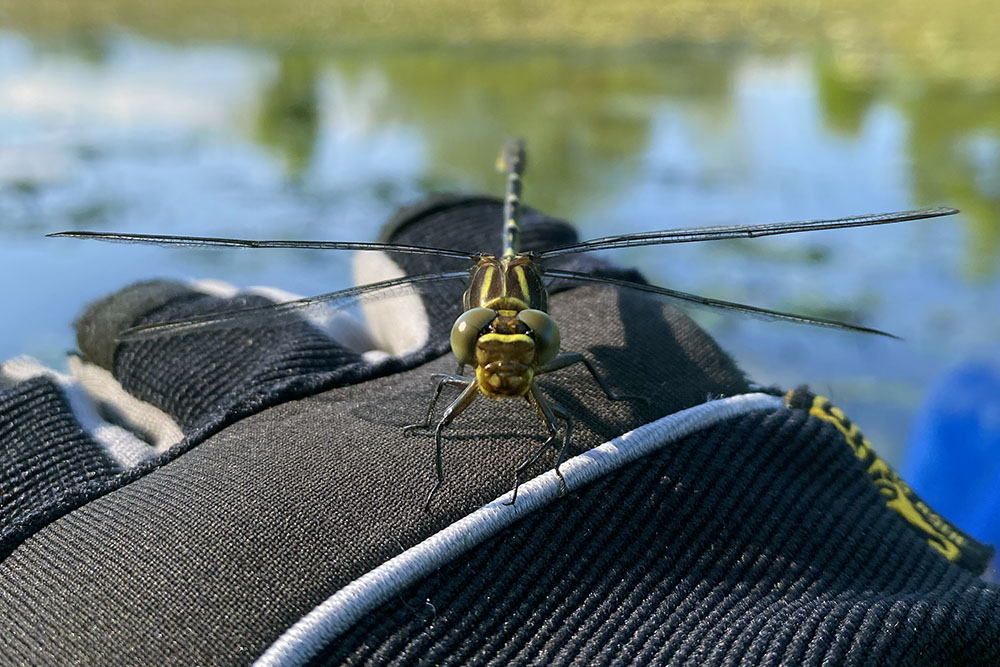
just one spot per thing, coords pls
(684, 298)
(317, 309)
(742, 231)
(213, 242)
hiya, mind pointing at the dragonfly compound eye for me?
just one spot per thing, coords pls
(466, 332)
(545, 332)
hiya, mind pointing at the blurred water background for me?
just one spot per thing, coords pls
(313, 119)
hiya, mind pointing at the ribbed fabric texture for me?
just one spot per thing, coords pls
(759, 541)
(195, 375)
(44, 454)
(202, 380)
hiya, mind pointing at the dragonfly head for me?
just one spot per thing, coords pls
(506, 347)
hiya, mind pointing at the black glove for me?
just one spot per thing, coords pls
(269, 503)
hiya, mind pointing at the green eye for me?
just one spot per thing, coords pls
(465, 333)
(545, 333)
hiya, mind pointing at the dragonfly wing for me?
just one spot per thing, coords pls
(214, 242)
(743, 231)
(686, 299)
(322, 310)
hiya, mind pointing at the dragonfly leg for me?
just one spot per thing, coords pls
(561, 457)
(569, 358)
(551, 413)
(442, 381)
(456, 407)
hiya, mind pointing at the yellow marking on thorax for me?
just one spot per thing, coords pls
(507, 305)
(522, 279)
(484, 291)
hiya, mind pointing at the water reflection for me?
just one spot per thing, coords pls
(953, 143)
(288, 117)
(127, 133)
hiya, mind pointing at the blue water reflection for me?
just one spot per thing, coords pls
(131, 134)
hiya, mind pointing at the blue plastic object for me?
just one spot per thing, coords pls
(952, 458)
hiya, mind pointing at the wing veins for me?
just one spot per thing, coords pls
(216, 318)
(718, 304)
(215, 242)
(721, 232)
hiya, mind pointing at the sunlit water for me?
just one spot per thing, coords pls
(133, 135)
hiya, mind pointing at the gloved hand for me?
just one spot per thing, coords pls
(248, 490)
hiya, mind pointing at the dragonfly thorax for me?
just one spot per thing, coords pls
(513, 283)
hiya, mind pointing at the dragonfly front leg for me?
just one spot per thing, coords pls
(551, 413)
(442, 381)
(456, 407)
(569, 358)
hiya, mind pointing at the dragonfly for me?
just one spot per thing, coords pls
(504, 331)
